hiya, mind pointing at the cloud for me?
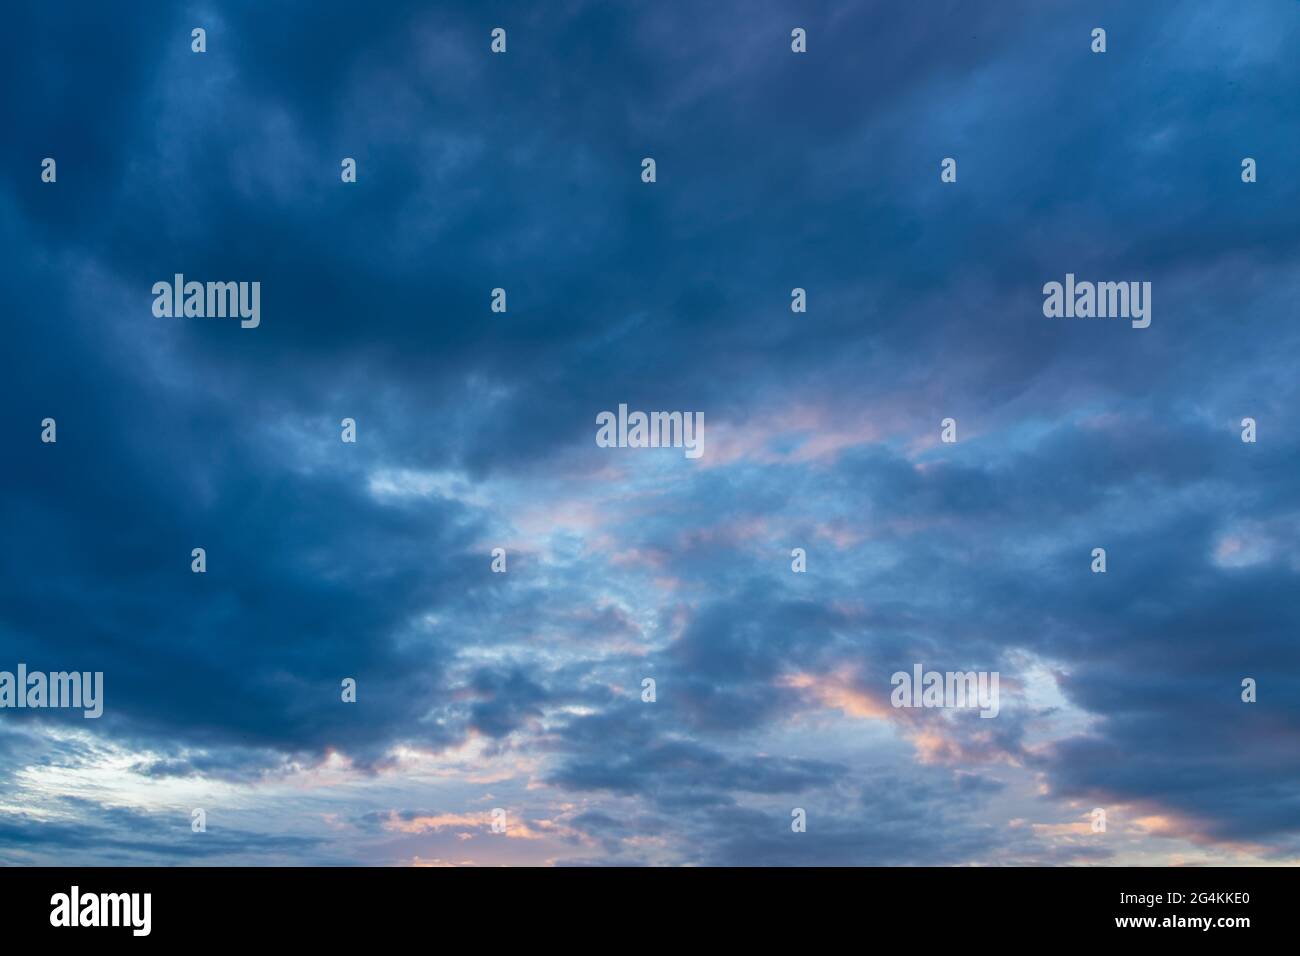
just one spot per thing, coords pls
(475, 430)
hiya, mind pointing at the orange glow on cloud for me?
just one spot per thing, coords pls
(515, 830)
(837, 692)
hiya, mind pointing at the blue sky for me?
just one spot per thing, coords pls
(476, 430)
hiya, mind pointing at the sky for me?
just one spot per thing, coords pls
(475, 430)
